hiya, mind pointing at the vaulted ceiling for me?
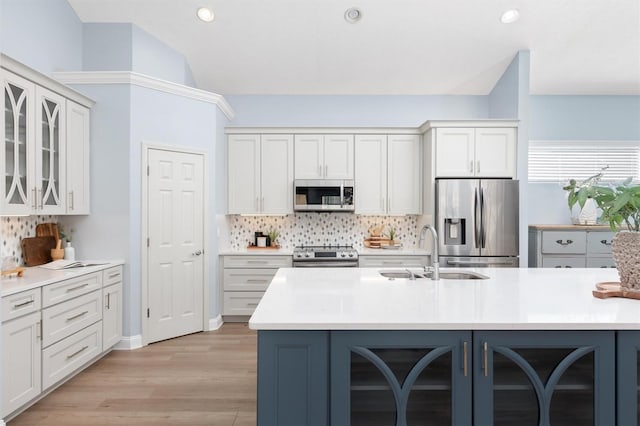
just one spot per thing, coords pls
(397, 47)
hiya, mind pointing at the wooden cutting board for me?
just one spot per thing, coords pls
(612, 289)
(37, 250)
(47, 230)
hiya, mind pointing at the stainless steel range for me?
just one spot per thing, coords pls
(325, 257)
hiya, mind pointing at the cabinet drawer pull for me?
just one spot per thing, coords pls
(117, 274)
(108, 300)
(257, 281)
(71, 201)
(20, 305)
(564, 243)
(39, 330)
(78, 352)
(77, 316)
(470, 166)
(257, 262)
(77, 287)
(485, 364)
(465, 358)
(34, 205)
(605, 242)
(252, 304)
(478, 167)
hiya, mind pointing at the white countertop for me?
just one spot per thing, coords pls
(36, 276)
(362, 252)
(256, 252)
(511, 299)
(393, 252)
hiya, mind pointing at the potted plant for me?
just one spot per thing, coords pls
(273, 236)
(621, 208)
(583, 194)
(391, 233)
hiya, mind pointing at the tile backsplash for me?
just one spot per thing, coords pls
(14, 229)
(320, 229)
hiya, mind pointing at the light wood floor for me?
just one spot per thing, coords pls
(201, 379)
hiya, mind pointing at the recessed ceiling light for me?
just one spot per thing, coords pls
(510, 16)
(352, 15)
(205, 14)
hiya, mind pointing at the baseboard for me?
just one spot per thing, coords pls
(128, 343)
(214, 323)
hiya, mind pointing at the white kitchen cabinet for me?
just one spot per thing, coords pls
(393, 261)
(21, 361)
(570, 246)
(475, 152)
(387, 174)
(35, 145)
(260, 174)
(53, 331)
(50, 151)
(18, 145)
(324, 156)
(245, 278)
(112, 307)
(78, 177)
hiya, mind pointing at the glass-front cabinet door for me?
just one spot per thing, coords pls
(628, 386)
(537, 378)
(17, 185)
(50, 152)
(401, 378)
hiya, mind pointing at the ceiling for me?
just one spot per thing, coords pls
(413, 47)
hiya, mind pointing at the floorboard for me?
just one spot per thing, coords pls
(200, 379)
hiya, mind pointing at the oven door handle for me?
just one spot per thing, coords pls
(335, 264)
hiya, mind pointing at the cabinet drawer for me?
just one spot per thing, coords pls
(393, 261)
(600, 262)
(556, 242)
(68, 289)
(66, 318)
(68, 355)
(257, 261)
(564, 262)
(241, 302)
(22, 303)
(599, 242)
(112, 276)
(247, 279)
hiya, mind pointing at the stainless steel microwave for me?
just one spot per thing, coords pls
(323, 195)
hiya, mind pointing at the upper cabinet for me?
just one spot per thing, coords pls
(260, 174)
(44, 150)
(324, 157)
(387, 174)
(475, 152)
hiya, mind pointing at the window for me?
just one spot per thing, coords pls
(559, 161)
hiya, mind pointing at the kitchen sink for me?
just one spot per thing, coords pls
(462, 276)
(446, 275)
(400, 274)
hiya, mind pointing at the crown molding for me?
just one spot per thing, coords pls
(323, 130)
(427, 125)
(142, 80)
(24, 71)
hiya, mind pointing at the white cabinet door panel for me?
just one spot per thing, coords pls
(404, 180)
(495, 152)
(21, 367)
(338, 156)
(276, 166)
(371, 174)
(111, 315)
(78, 195)
(455, 152)
(309, 156)
(243, 174)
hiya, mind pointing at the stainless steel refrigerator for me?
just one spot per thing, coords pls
(477, 222)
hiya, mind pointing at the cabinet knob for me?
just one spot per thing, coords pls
(197, 253)
(564, 243)
(605, 242)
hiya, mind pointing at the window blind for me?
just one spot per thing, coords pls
(559, 161)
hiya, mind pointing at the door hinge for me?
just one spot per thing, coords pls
(148, 313)
(147, 170)
(147, 241)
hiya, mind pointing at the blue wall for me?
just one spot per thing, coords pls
(45, 35)
(372, 110)
(503, 99)
(107, 47)
(605, 118)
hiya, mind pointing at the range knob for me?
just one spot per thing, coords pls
(306, 254)
(350, 254)
(343, 254)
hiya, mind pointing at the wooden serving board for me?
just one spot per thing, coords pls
(37, 250)
(612, 289)
(47, 230)
(263, 248)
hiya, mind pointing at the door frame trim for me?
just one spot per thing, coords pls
(144, 232)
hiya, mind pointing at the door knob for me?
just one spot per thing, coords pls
(197, 253)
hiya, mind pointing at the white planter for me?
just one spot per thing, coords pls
(588, 215)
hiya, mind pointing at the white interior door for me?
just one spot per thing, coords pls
(175, 287)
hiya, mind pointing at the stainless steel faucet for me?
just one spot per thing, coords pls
(434, 269)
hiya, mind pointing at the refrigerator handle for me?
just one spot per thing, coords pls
(476, 217)
(483, 231)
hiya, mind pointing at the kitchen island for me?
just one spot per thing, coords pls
(525, 346)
